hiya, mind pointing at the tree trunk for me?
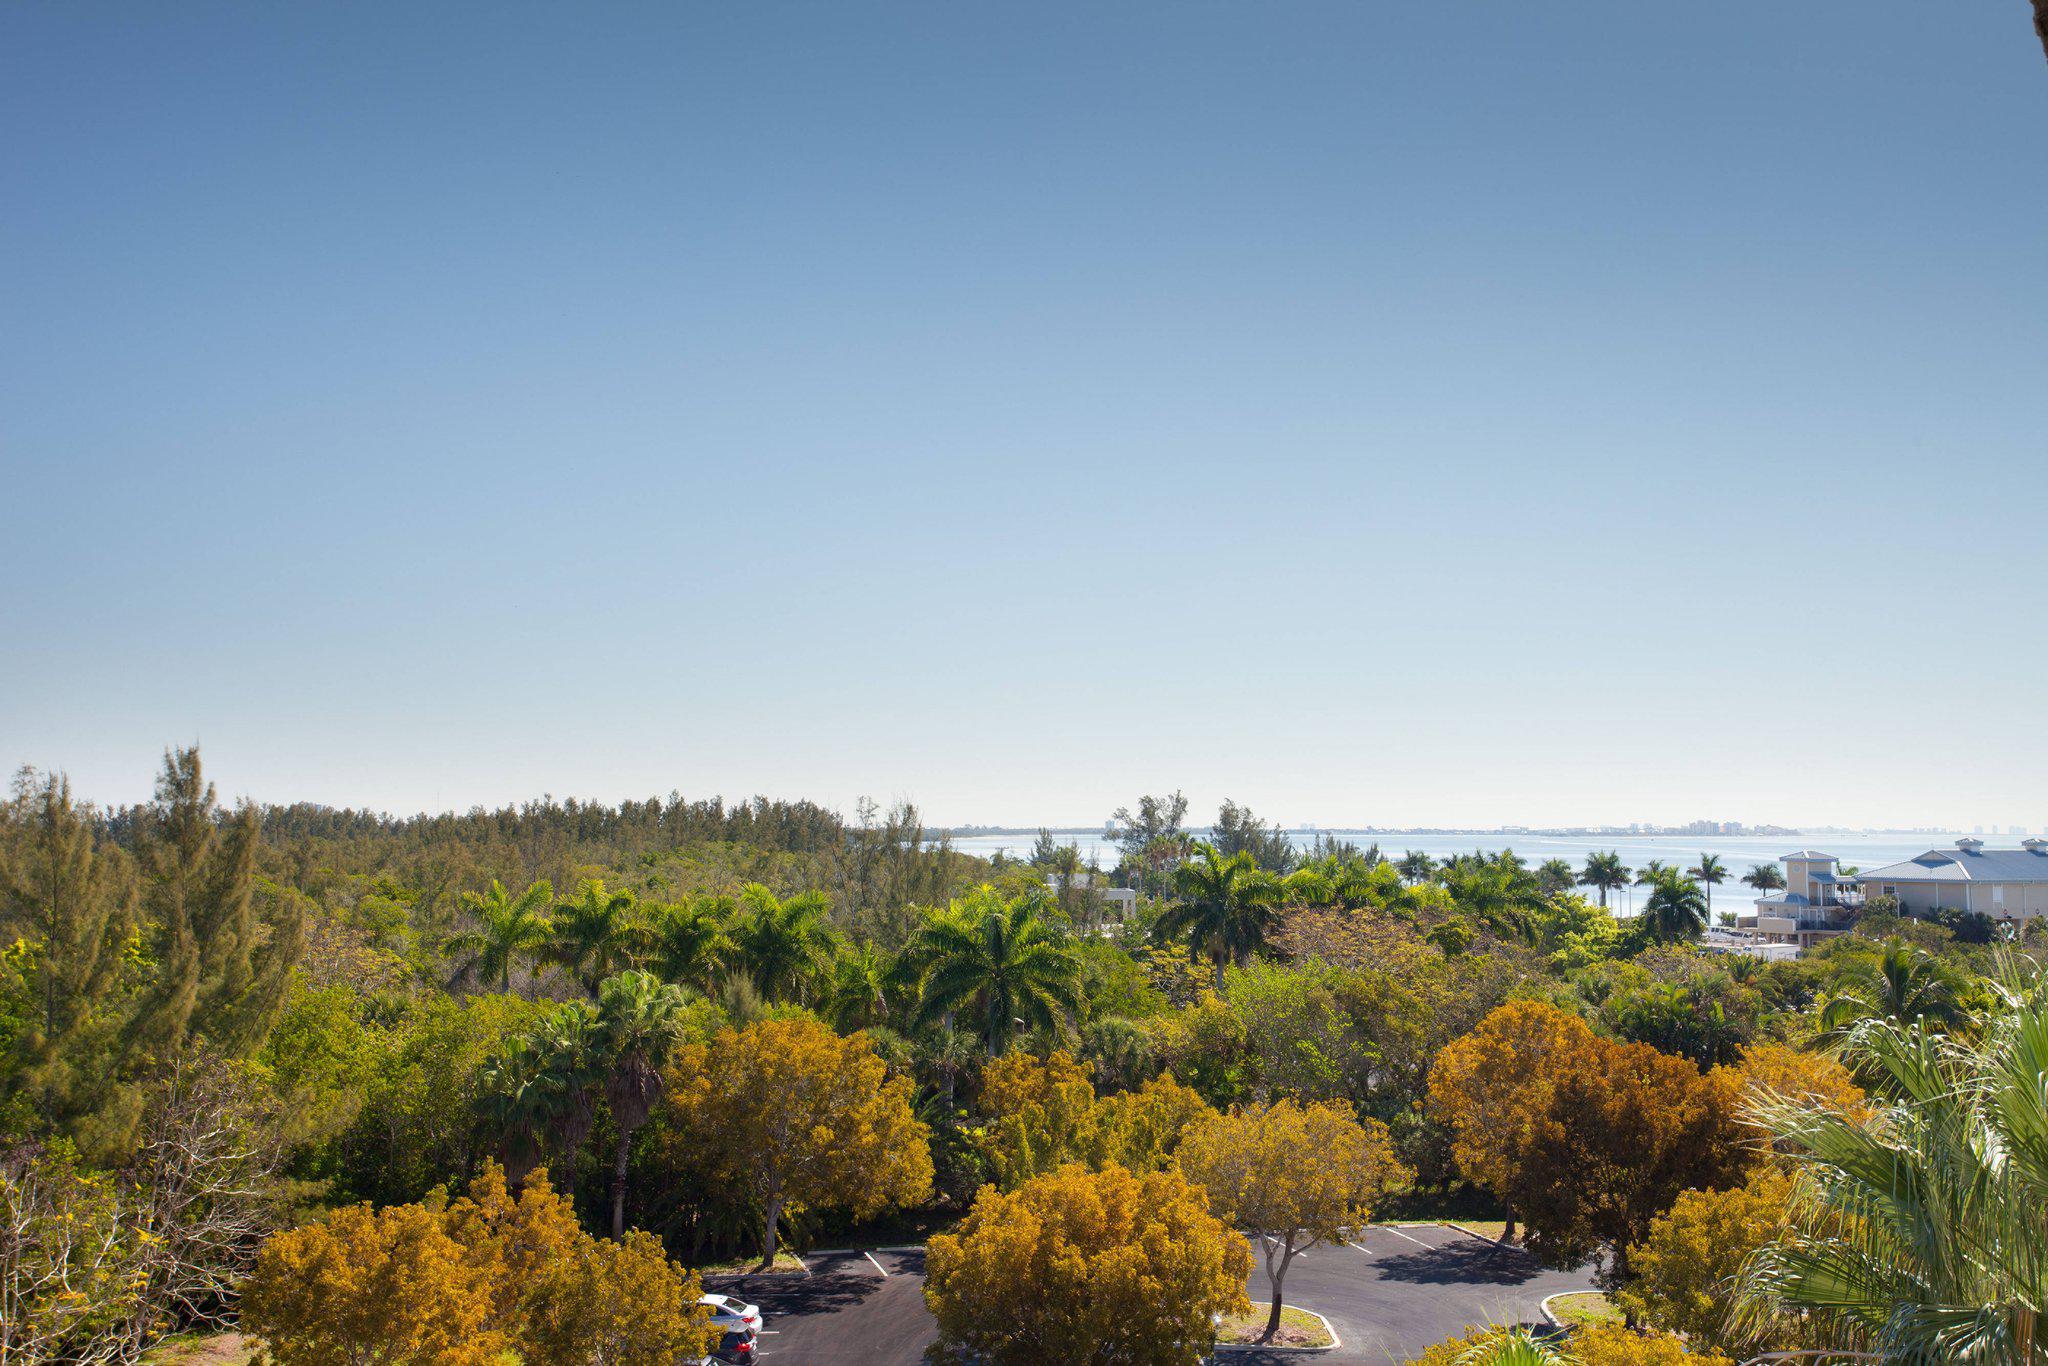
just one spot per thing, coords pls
(619, 1185)
(1274, 1280)
(1507, 1234)
(1221, 963)
(1272, 1319)
(2041, 22)
(768, 1239)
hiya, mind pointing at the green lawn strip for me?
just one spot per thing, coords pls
(1584, 1307)
(784, 1261)
(1298, 1328)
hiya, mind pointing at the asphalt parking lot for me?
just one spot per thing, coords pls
(1389, 1293)
(853, 1309)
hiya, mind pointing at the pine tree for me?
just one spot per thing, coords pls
(221, 965)
(71, 904)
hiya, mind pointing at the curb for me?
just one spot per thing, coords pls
(1475, 1233)
(1328, 1327)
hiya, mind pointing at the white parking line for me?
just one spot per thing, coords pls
(1398, 1234)
(877, 1265)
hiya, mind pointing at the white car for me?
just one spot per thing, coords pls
(731, 1315)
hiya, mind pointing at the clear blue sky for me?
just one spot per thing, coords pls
(1376, 412)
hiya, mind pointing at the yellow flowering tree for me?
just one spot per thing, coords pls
(470, 1283)
(1685, 1269)
(1086, 1267)
(801, 1118)
(1292, 1175)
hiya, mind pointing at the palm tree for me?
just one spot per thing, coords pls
(1709, 873)
(1919, 1238)
(540, 1091)
(1555, 875)
(1651, 871)
(1903, 985)
(859, 994)
(1765, 877)
(1677, 909)
(688, 943)
(1504, 900)
(1224, 908)
(597, 934)
(1000, 959)
(784, 947)
(1606, 872)
(509, 928)
(639, 1022)
(1415, 866)
(1516, 1347)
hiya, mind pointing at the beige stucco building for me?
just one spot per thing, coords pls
(2005, 884)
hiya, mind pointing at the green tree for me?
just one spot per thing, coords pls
(1224, 908)
(221, 960)
(785, 948)
(75, 905)
(1676, 908)
(1919, 1238)
(1415, 866)
(1902, 984)
(1556, 876)
(508, 929)
(1000, 961)
(1238, 831)
(690, 943)
(1765, 877)
(1710, 873)
(640, 1021)
(597, 934)
(1605, 873)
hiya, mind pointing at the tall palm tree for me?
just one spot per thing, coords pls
(1919, 1238)
(1710, 873)
(509, 928)
(1765, 877)
(1415, 866)
(1903, 985)
(1677, 909)
(1000, 960)
(1502, 899)
(1556, 875)
(639, 1022)
(784, 947)
(599, 933)
(518, 1101)
(1224, 907)
(1606, 872)
(688, 943)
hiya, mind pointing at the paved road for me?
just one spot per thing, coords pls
(1389, 1294)
(854, 1309)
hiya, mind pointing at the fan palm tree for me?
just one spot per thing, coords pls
(1904, 985)
(688, 943)
(1606, 872)
(640, 1021)
(540, 1091)
(509, 928)
(1710, 873)
(1919, 1238)
(1677, 909)
(1224, 907)
(599, 933)
(1765, 877)
(999, 960)
(784, 947)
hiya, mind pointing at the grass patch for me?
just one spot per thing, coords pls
(201, 1349)
(1298, 1328)
(1584, 1308)
(784, 1261)
(1485, 1228)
